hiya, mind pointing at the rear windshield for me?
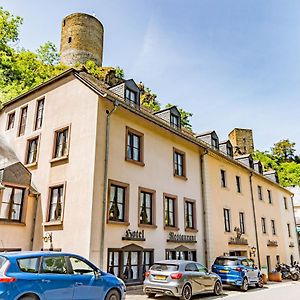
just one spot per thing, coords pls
(226, 262)
(2, 261)
(164, 267)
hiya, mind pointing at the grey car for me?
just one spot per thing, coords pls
(180, 278)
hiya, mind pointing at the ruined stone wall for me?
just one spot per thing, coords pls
(81, 39)
(242, 141)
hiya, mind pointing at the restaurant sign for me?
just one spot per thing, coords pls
(181, 238)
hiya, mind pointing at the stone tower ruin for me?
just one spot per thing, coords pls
(242, 141)
(81, 39)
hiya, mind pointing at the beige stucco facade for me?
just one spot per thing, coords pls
(82, 107)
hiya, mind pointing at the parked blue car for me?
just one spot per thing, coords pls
(55, 276)
(237, 271)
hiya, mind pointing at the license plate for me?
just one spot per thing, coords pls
(160, 277)
(224, 271)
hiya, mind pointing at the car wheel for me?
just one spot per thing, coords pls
(29, 298)
(260, 283)
(245, 285)
(295, 277)
(113, 295)
(218, 288)
(186, 292)
(151, 295)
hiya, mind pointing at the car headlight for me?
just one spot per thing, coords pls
(122, 282)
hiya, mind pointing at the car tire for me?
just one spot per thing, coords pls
(29, 298)
(295, 277)
(245, 285)
(260, 283)
(218, 288)
(113, 295)
(186, 292)
(151, 295)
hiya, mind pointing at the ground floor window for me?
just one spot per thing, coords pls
(238, 253)
(130, 263)
(181, 253)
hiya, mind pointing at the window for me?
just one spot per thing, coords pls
(238, 183)
(56, 203)
(182, 255)
(242, 222)
(29, 265)
(118, 195)
(134, 146)
(54, 265)
(80, 267)
(269, 196)
(61, 147)
(170, 211)
(285, 203)
(131, 97)
(179, 163)
(227, 219)
(263, 225)
(39, 114)
(146, 207)
(32, 150)
(215, 143)
(174, 121)
(289, 230)
(23, 119)
(273, 227)
(223, 178)
(113, 263)
(259, 189)
(12, 202)
(189, 214)
(11, 121)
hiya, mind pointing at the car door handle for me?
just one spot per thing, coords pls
(45, 280)
(78, 283)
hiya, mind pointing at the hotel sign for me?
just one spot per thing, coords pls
(134, 235)
(238, 239)
(272, 243)
(181, 238)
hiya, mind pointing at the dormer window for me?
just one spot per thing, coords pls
(174, 121)
(131, 97)
(214, 142)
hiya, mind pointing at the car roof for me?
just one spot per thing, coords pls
(23, 254)
(173, 262)
(232, 257)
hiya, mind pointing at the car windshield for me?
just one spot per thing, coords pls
(2, 261)
(226, 262)
(164, 267)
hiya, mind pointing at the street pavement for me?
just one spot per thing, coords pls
(288, 290)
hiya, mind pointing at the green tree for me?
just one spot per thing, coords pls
(284, 149)
(148, 98)
(48, 54)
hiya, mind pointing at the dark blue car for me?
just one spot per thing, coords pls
(237, 271)
(55, 276)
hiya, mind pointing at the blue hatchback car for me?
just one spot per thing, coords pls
(55, 276)
(237, 271)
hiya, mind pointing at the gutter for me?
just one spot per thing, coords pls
(255, 221)
(104, 196)
(204, 208)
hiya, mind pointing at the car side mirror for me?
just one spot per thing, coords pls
(255, 267)
(97, 274)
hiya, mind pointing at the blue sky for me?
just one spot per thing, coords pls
(231, 63)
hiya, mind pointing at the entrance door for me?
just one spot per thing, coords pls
(238, 253)
(131, 266)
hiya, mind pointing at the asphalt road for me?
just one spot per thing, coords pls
(284, 291)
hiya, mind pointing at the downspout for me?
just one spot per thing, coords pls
(297, 235)
(103, 222)
(36, 197)
(255, 222)
(204, 208)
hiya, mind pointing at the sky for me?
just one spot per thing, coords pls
(232, 63)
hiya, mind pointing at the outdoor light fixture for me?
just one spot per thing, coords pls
(253, 251)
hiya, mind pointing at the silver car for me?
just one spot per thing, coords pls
(180, 278)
